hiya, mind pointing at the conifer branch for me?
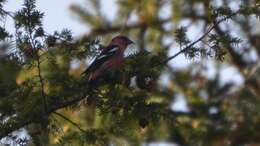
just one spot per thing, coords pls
(10, 14)
(235, 57)
(42, 84)
(12, 125)
(215, 24)
(39, 74)
(70, 121)
(106, 30)
(33, 45)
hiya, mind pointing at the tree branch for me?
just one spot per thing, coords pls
(10, 14)
(39, 71)
(12, 125)
(235, 57)
(118, 28)
(42, 84)
(70, 121)
(16, 123)
(215, 24)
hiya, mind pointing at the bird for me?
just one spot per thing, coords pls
(110, 58)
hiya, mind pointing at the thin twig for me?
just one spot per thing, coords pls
(7, 13)
(70, 121)
(39, 73)
(118, 28)
(42, 84)
(198, 40)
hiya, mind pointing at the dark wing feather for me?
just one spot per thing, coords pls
(109, 48)
(105, 55)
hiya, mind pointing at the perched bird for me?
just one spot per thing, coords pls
(110, 58)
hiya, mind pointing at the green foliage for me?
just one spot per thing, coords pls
(181, 36)
(28, 17)
(43, 92)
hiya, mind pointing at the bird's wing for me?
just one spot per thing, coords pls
(109, 48)
(105, 55)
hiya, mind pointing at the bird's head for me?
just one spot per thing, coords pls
(121, 41)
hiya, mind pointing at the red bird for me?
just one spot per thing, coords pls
(110, 58)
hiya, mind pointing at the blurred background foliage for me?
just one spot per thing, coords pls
(182, 49)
